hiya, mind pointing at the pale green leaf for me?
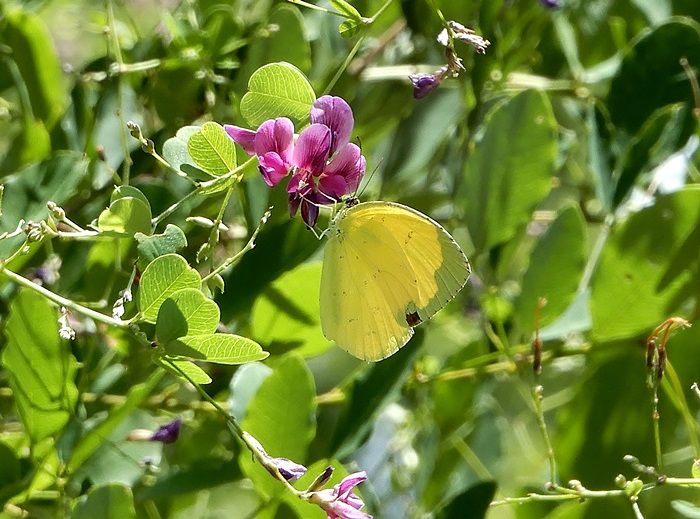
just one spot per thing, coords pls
(125, 217)
(151, 247)
(281, 416)
(286, 315)
(112, 501)
(220, 348)
(212, 149)
(163, 277)
(277, 90)
(40, 366)
(186, 312)
(194, 372)
(126, 191)
(175, 152)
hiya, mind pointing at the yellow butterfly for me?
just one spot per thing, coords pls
(386, 269)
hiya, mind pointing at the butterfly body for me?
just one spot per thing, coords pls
(386, 269)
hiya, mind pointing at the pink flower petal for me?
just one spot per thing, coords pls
(272, 167)
(350, 482)
(311, 149)
(275, 135)
(335, 113)
(331, 188)
(350, 164)
(243, 136)
(345, 511)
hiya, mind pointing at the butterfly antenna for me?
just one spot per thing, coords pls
(322, 206)
(358, 195)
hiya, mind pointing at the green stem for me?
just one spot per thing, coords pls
(345, 64)
(60, 300)
(379, 12)
(248, 246)
(655, 423)
(170, 210)
(238, 431)
(537, 397)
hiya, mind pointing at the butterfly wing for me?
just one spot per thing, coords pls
(386, 269)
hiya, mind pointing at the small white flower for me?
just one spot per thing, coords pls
(66, 331)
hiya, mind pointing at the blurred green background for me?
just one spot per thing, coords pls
(563, 162)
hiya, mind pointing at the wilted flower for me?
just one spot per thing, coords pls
(66, 331)
(288, 469)
(465, 35)
(423, 84)
(340, 502)
(167, 433)
(323, 164)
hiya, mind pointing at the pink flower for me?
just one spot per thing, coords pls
(340, 502)
(323, 164)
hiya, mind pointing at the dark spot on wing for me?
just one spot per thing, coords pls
(413, 319)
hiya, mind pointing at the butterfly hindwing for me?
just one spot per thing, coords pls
(386, 269)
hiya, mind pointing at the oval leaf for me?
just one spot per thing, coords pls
(277, 90)
(163, 277)
(220, 348)
(124, 191)
(194, 372)
(125, 217)
(151, 247)
(186, 312)
(212, 149)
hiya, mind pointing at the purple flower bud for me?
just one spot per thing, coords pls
(551, 4)
(167, 433)
(423, 84)
(340, 502)
(290, 470)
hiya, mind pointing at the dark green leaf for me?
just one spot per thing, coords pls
(151, 247)
(510, 171)
(476, 499)
(648, 268)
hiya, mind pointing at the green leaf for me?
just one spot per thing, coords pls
(41, 367)
(556, 265)
(189, 368)
(346, 9)
(27, 192)
(95, 438)
(175, 152)
(278, 248)
(125, 217)
(244, 384)
(373, 389)
(152, 247)
(128, 191)
(662, 134)
(219, 348)
(286, 315)
(32, 144)
(34, 53)
(277, 90)
(186, 312)
(107, 502)
(281, 416)
(349, 28)
(651, 75)
(686, 508)
(510, 171)
(476, 499)
(648, 267)
(163, 277)
(212, 149)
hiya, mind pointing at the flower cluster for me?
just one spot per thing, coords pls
(324, 165)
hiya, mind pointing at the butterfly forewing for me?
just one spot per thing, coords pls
(386, 269)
